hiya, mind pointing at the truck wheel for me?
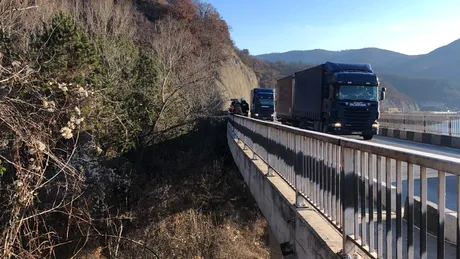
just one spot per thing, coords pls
(368, 137)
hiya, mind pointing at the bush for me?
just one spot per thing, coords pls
(64, 51)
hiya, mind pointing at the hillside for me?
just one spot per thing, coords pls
(112, 143)
(430, 94)
(379, 58)
(395, 98)
(431, 79)
(441, 63)
(235, 79)
(268, 72)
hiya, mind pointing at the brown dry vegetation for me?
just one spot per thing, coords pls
(107, 148)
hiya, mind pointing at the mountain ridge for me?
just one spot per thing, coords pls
(269, 72)
(427, 78)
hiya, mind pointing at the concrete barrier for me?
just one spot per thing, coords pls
(427, 138)
(300, 230)
(450, 229)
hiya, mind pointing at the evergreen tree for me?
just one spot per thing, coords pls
(64, 50)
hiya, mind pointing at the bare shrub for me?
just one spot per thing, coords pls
(186, 76)
(41, 133)
(192, 234)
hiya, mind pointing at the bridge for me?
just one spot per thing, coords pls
(327, 196)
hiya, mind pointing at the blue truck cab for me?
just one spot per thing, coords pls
(351, 103)
(263, 103)
(335, 98)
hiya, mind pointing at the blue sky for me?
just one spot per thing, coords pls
(406, 26)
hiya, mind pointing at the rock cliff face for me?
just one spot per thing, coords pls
(235, 79)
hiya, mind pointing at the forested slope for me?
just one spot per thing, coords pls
(107, 149)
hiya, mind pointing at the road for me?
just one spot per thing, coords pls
(451, 182)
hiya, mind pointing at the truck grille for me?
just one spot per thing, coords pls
(265, 111)
(358, 118)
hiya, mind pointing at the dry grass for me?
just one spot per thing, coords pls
(193, 234)
(197, 205)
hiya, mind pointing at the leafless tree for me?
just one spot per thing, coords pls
(186, 76)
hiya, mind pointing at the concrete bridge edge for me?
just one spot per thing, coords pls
(303, 230)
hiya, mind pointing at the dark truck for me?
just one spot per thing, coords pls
(263, 103)
(335, 98)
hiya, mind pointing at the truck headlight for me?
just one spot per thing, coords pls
(337, 125)
(375, 125)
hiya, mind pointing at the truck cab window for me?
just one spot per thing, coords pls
(357, 93)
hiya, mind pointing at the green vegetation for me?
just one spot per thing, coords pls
(107, 146)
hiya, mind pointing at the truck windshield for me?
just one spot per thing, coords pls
(264, 99)
(357, 93)
(268, 102)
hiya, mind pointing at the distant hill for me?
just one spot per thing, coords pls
(269, 72)
(432, 80)
(379, 58)
(442, 63)
(396, 99)
(430, 94)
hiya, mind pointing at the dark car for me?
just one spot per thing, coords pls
(235, 107)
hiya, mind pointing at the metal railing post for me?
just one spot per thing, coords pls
(404, 122)
(270, 172)
(298, 171)
(255, 148)
(245, 138)
(450, 126)
(348, 189)
(424, 123)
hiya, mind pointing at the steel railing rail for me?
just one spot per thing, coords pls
(444, 124)
(351, 183)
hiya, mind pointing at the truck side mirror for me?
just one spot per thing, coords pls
(382, 94)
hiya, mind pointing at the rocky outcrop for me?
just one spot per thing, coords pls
(235, 79)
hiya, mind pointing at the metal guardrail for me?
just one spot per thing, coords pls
(445, 124)
(346, 179)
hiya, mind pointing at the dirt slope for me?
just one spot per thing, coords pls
(235, 79)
